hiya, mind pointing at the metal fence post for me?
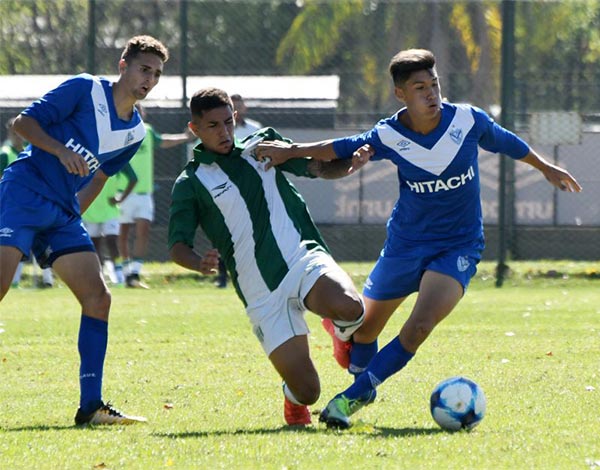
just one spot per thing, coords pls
(505, 205)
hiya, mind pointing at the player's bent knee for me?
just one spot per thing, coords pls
(97, 304)
(347, 309)
(308, 394)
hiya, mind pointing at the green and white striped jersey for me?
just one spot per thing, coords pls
(255, 218)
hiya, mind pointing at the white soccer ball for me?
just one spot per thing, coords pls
(457, 403)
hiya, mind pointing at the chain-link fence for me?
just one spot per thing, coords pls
(318, 69)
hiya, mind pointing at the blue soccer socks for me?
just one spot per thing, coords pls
(92, 344)
(360, 357)
(386, 363)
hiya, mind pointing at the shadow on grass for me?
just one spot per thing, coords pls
(45, 427)
(366, 430)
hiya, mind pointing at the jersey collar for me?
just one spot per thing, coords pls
(201, 155)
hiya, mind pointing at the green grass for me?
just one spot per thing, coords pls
(183, 355)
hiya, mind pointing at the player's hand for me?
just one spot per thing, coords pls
(562, 179)
(210, 262)
(274, 152)
(361, 157)
(73, 162)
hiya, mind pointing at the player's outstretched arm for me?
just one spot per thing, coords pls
(185, 256)
(556, 175)
(278, 151)
(339, 168)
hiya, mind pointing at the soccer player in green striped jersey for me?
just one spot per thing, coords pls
(278, 262)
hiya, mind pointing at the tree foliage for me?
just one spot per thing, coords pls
(557, 43)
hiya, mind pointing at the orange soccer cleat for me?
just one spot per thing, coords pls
(341, 349)
(296, 415)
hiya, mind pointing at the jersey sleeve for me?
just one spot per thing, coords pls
(497, 139)
(297, 166)
(59, 103)
(344, 147)
(184, 213)
(114, 165)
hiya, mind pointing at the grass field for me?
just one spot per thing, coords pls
(183, 355)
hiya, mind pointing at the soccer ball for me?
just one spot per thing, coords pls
(457, 403)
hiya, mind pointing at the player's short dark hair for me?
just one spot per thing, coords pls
(408, 61)
(144, 44)
(207, 99)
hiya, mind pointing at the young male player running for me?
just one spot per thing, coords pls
(260, 225)
(435, 232)
(80, 133)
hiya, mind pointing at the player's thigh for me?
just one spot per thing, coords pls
(293, 363)
(10, 257)
(82, 274)
(333, 295)
(438, 295)
(377, 314)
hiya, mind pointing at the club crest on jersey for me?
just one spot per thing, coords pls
(456, 134)
(462, 263)
(129, 138)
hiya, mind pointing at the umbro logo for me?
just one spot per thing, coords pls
(403, 144)
(6, 232)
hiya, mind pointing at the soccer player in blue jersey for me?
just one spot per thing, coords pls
(80, 133)
(435, 232)
(277, 260)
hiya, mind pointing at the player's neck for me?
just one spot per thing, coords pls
(420, 124)
(123, 102)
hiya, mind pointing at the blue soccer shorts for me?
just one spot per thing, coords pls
(401, 265)
(35, 224)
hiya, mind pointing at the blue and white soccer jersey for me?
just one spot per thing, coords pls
(81, 114)
(439, 204)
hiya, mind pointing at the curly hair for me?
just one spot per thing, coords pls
(144, 44)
